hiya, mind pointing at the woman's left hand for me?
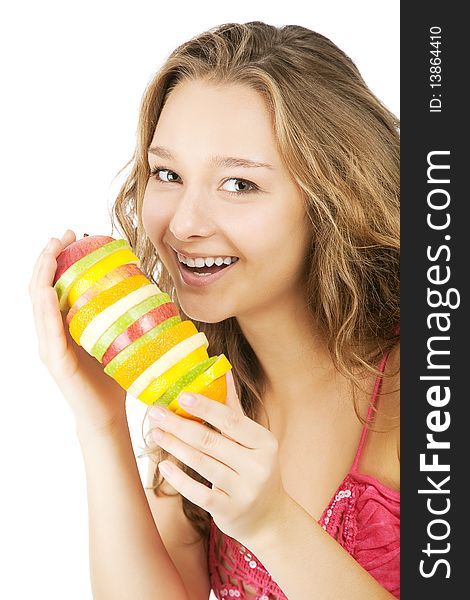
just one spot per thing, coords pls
(241, 462)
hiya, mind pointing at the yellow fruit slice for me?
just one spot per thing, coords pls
(165, 362)
(219, 368)
(77, 269)
(91, 309)
(100, 324)
(217, 390)
(80, 286)
(159, 385)
(148, 353)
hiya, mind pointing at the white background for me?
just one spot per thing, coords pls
(73, 74)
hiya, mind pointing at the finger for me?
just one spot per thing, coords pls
(201, 437)
(232, 397)
(211, 500)
(50, 328)
(220, 475)
(37, 297)
(229, 421)
(68, 237)
(66, 240)
(37, 266)
(53, 325)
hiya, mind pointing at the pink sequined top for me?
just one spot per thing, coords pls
(363, 516)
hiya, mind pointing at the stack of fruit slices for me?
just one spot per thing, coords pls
(133, 328)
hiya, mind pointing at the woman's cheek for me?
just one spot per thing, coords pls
(153, 218)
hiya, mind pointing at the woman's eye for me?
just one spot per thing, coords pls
(164, 175)
(240, 186)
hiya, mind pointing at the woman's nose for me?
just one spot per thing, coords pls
(191, 217)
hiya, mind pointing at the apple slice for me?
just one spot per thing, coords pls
(124, 321)
(140, 327)
(64, 283)
(77, 250)
(99, 325)
(99, 303)
(92, 275)
(134, 359)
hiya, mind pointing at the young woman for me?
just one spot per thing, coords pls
(264, 147)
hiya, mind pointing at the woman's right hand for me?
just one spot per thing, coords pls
(97, 400)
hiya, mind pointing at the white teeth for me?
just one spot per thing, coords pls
(208, 262)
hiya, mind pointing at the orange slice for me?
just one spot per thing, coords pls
(80, 285)
(138, 360)
(100, 324)
(219, 368)
(217, 390)
(165, 362)
(98, 303)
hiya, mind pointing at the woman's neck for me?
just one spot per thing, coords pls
(292, 354)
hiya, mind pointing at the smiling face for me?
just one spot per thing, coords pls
(202, 204)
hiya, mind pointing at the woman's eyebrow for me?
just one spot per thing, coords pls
(218, 161)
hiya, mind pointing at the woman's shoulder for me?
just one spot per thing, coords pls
(381, 453)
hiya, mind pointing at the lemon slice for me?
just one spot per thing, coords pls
(185, 380)
(95, 329)
(101, 268)
(219, 368)
(129, 318)
(168, 360)
(99, 303)
(159, 385)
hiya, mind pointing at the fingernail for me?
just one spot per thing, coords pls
(187, 400)
(165, 468)
(157, 413)
(157, 434)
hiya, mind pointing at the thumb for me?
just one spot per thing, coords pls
(232, 397)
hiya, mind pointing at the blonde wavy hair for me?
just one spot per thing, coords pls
(341, 145)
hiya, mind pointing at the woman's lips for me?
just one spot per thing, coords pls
(190, 278)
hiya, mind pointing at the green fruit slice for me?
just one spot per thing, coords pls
(64, 283)
(119, 359)
(170, 358)
(185, 380)
(125, 321)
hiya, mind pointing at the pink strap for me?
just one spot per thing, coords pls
(375, 393)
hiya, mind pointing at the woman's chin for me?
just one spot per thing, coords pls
(204, 314)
